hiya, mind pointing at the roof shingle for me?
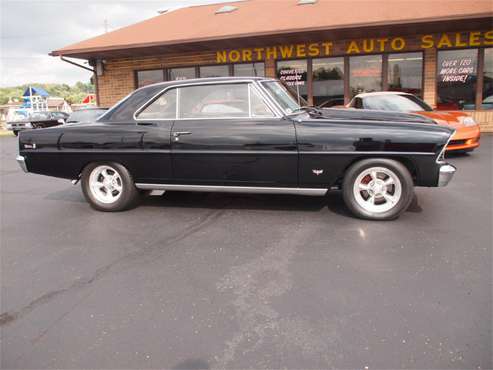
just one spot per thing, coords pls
(266, 17)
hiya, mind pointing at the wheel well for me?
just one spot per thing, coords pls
(83, 167)
(409, 164)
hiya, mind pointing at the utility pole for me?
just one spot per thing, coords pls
(105, 26)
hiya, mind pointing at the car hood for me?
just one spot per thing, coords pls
(452, 119)
(373, 115)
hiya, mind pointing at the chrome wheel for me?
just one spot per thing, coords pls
(105, 184)
(377, 189)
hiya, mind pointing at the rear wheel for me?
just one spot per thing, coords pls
(108, 186)
(378, 189)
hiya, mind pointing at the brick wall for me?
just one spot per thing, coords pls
(485, 120)
(429, 76)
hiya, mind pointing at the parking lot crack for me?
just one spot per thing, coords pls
(7, 318)
(255, 285)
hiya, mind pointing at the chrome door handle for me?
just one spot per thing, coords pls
(180, 133)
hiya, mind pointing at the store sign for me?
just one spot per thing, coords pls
(456, 70)
(292, 77)
(357, 47)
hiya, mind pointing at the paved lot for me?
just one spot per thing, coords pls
(192, 281)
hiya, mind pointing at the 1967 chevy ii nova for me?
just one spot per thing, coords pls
(245, 135)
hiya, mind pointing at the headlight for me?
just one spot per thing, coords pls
(468, 121)
(29, 125)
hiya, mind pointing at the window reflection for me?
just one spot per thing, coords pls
(328, 82)
(365, 74)
(214, 71)
(488, 80)
(405, 73)
(249, 70)
(149, 77)
(182, 73)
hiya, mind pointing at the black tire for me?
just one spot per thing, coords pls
(129, 194)
(398, 169)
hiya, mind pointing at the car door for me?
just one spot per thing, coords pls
(226, 134)
(155, 120)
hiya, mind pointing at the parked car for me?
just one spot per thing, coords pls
(38, 120)
(242, 135)
(486, 104)
(467, 134)
(86, 115)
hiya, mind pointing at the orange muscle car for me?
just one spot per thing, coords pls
(466, 137)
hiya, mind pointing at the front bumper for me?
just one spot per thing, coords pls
(446, 173)
(22, 162)
(465, 138)
(17, 126)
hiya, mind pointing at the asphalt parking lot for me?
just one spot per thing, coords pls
(198, 281)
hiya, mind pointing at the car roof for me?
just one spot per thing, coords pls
(205, 81)
(377, 93)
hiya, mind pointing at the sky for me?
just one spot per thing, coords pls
(30, 29)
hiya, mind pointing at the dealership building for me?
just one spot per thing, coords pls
(327, 50)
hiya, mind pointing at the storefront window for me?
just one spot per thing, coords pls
(214, 71)
(328, 82)
(405, 73)
(293, 73)
(249, 70)
(365, 74)
(456, 79)
(149, 77)
(488, 80)
(182, 73)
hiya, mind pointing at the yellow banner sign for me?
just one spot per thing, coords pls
(355, 47)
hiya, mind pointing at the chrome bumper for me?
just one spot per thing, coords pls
(22, 162)
(446, 173)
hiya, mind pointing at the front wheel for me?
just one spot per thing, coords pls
(109, 187)
(378, 189)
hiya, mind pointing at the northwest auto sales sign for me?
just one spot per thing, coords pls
(357, 47)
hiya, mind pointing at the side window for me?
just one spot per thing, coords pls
(211, 101)
(258, 106)
(164, 107)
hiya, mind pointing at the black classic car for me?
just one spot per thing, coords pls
(242, 135)
(38, 120)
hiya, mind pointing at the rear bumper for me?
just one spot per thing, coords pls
(22, 163)
(446, 173)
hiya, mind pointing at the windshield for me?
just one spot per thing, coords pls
(85, 115)
(284, 97)
(395, 103)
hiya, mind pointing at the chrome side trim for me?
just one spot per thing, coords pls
(447, 171)
(341, 152)
(441, 156)
(22, 162)
(234, 189)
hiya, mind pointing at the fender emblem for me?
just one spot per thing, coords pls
(30, 146)
(318, 172)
